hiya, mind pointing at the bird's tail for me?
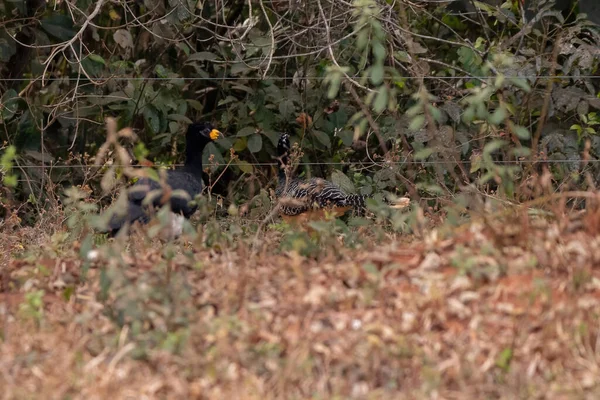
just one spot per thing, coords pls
(359, 201)
(134, 213)
(398, 202)
(355, 200)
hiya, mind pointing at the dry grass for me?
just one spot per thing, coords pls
(505, 310)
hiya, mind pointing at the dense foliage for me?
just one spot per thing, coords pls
(420, 99)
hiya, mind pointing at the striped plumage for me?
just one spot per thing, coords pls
(302, 195)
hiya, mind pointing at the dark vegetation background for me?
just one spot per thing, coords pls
(519, 78)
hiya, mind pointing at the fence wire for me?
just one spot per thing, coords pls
(266, 164)
(289, 78)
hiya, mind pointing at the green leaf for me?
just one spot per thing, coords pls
(521, 152)
(469, 114)
(371, 269)
(342, 181)
(423, 153)
(211, 149)
(10, 181)
(497, 116)
(414, 110)
(435, 113)
(227, 100)
(347, 137)
(9, 104)
(262, 42)
(323, 138)
(179, 118)
(378, 51)
(476, 162)
(97, 58)
(152, 118)
(521, 83)
(8, 46)
(521, 132)
(255, 143)
(184, 47)
(240, 145)
(481, 111)
(286, 109)
(238, 68)
(60, 26)
(246, 131)
(224, 143)
(140, 152)
(485, 178)
(245, 167)
(416, 123)
(402, 56)
(493, 146)
(483, 7)
(334, 86)
(339, 119)
(504, 359)
(195, 104)
(6, 160)
(376, 74)
(362, 39)
(381, 100)
(161, 71)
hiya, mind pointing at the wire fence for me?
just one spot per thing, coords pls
(267, 164)
(292, 78)
(381, 164)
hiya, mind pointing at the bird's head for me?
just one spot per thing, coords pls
(202, 132)
(284, 145)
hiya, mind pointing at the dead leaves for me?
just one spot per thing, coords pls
(477, 309)
(304, 120)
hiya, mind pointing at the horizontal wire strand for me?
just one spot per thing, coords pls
(283, 78)
(381, 164)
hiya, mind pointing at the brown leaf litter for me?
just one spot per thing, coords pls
(502, 311)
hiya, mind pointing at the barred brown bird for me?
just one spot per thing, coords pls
(298, 196)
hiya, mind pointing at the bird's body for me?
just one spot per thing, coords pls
(317, 196)
(314, 193)
(185, 182)
(302, 195)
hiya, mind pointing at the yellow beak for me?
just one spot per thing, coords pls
(214, 134)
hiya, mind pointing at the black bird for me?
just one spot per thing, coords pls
(187, 179)
(316, 194)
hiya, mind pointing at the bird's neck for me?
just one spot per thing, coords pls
(282, 176)
(193, 161)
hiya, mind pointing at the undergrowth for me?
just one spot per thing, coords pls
(499, 306)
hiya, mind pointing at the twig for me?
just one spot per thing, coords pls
(69, 43)
(270, 59)
(547, 97)
(330, 49)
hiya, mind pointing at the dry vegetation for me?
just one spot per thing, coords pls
(507, 309)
